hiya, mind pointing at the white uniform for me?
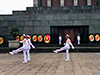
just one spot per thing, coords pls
(24, 48)
(78, 39)
(60, 39)
(28, 50)
(66, 47)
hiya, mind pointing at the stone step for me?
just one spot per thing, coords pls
(51, 47)
(57, 45)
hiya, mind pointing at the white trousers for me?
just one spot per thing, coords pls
(26, 54)
(67, 54)
(19, 49)
(78, 42)
(59, 42)
(67, 51)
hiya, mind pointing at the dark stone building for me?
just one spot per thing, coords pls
(56, 17)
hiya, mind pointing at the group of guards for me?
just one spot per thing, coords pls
(27, 46)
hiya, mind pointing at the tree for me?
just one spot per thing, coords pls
(14, 31)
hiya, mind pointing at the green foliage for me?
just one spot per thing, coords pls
(14, 31)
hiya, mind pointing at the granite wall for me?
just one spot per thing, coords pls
(38, 20)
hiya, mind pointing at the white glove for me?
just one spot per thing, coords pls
(73, 47)
(33, 47)
(64, 43)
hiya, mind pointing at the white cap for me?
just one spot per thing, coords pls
(67, 35)
(27, 36)
(24, 35)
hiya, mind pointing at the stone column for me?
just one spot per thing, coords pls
(49, 3)
(68, 3)
(35, 3)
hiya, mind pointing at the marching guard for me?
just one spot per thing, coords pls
(66, 47)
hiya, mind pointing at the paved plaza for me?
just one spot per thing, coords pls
(50, 64)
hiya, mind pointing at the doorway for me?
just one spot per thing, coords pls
(73, 31)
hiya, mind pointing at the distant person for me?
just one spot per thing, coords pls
(78, 39)
(66, 47)
(60, 39)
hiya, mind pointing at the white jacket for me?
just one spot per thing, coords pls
(68, 44)
(25, 43)
(30, 44)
